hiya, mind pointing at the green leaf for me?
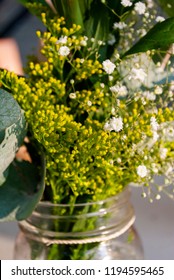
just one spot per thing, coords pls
(22, 190)
(12, 131)
(160, 36)
(10, 111)
(94, 26)
(89, 14)
(71, 10)
(167, 7)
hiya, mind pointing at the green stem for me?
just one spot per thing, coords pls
(71, 10)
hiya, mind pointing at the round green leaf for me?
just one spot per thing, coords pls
(12, 131)
(22, 190)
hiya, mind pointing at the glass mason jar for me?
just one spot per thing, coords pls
(101, 230)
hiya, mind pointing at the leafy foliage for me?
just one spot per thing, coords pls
(11, 114)
(12, 131)
(21, 183)
(22, 191)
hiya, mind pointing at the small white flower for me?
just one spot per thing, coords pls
(149, 95)
(72, 81)
(114, 124)
(154, 168)
(119, 25)
(120, 90)
(158, 90)
(113, 111)
(155, 136)
(138, 74)
(102, 85)
(111, 162)
(118, 160)
(140, 8)
(114, 89)
(170, 94)
(124, 137)
(154, 124)
(118, 102)
(72, 95)
(117, 55)
(163, 153)
(158, 197)
(89, 103)
(83, 43)
(169, 133)
(142, 171)
(64, 51)
(146, 15)
(62, 40)
(159, 19)
(169, 170)
(100, 43)
(108, 66)
(111, 78)
(107, 126)
(126, 3)
(150, 3)
(144, 195)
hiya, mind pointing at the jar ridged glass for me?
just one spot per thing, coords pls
(100, 230)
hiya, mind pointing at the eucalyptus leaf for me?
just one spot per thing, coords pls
(12, 131)
(22, 190)
(160, 36)
(10, 111)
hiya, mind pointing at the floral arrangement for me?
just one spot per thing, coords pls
(99, 103)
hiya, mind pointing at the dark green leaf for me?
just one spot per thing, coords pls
(160, 36)
(167, 7)
(12, 131)
(94, 26)
(70, 10)
(22, 191)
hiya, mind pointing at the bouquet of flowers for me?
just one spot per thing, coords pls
(99, 103)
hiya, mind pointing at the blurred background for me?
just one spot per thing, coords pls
(154, 221)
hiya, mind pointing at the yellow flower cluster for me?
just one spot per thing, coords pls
(86, 68)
